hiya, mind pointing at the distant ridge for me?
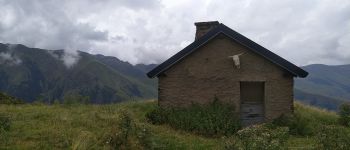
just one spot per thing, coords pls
(326, 86)
(37, 74)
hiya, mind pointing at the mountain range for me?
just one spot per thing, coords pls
(326, 86)
(37, 74)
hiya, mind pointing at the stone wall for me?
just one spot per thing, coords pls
(209, 72)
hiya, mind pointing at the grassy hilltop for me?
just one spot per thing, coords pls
(95, 127)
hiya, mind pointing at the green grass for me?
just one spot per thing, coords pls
(67, 127)
(316, 115)
(87, 126)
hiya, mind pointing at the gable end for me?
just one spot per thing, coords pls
(221, 28)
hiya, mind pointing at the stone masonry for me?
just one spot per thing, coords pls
(208, 72)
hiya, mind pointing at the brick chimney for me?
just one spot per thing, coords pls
(204, 27)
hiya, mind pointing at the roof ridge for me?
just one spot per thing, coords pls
(222, 28)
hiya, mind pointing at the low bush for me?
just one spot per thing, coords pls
(129, 135)
(7, 99)
(258, 137)
(215, 119)
(333, 137)
(145, 137)
(119, 137)
(158, 115)
(297, 124)
(344, 114)
(5, 122)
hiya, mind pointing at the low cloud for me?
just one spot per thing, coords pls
(8, 57)
(70, 58)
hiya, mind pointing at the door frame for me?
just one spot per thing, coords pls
(263, 103)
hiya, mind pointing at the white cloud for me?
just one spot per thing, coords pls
(314, 31)
(8, 58)
(70, 58)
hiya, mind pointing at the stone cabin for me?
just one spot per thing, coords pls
(225, 64)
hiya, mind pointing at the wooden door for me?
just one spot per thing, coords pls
(252, 103)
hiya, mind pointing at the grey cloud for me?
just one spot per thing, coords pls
(304, 32)
(150, 31)
(149, 4)
(43, 24)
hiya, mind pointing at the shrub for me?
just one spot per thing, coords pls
(333, 137)
(258, 137)
(5, 122)
(128, 135)
(158, 115)
(295, 122)
(344, 113)
(7, 99)
(144, 137)
(120, 135)
(215, 119)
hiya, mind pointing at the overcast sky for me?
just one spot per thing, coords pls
(150, 31)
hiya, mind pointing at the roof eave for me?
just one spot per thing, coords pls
(227, 31)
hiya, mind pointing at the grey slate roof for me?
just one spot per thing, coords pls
(293, 69)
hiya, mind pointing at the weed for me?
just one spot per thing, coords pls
(344, 113)
(215, 119)
(7, 99)
(258, 138)
(295, 122)
(333, 137)
(130, 135)
(120, 135)
(5, 124)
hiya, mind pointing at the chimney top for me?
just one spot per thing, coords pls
(207, 23)
(204, 27)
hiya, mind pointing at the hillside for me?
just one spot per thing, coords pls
(38, 74)
(326, 86)
(329, 103)
(82, 126)
(35, 74)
